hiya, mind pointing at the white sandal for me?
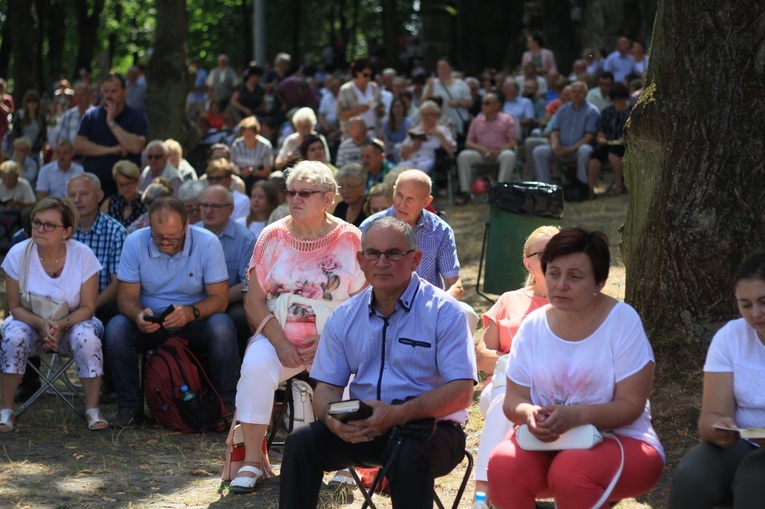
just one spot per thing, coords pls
(7, 420)
(96, 421)
(243, 484)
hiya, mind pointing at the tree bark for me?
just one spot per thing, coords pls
(694, 170)
(56, 27)
(561, 35)
(5, 43)
(390, 33)
(167, 76)
(24, 35)
(88, 19)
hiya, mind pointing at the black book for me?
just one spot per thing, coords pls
(350, 410)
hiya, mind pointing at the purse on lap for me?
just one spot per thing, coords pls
(41, 305)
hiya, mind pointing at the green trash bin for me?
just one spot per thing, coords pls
(517, 209)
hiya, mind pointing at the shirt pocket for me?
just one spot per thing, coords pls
(413, 357)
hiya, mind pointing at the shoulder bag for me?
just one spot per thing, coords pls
(41, 305)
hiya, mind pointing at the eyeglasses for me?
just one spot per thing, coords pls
(48, 227)
(351, 187)
(154, 156)
(393, 255)
(538, 254)
(159, 239)
(366, 74)
(485, 103)
(126, 185)
(215, 179)
(303, 193)
(215, 206)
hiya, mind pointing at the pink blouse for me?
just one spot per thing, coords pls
(323, 269)
(508, 313)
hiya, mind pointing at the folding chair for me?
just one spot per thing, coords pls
(51, 371)
(286, 401)
(369, 493)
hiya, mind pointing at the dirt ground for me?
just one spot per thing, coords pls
(53, 461)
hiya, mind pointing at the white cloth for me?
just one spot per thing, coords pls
(457, 91)
(321, 308)
(255, 227)
(561, 372)
(241, 205)
(495, 427)
(79, 266)
(737, 349)
(367, 97)
(328, 108)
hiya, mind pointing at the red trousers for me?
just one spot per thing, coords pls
(576, 478)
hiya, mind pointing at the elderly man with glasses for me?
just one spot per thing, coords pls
(170, 263)
(219, 172)
(492, 137)
(159, 165)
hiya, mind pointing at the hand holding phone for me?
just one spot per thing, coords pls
(161, 318)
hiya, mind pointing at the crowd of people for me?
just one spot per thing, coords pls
(300, 235)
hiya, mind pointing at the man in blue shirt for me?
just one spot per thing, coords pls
(111, 132)
(170, 263)
(571, 140)
(411, 352)
(620, 63)
(216, 206)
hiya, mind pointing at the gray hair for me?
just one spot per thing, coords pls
(430, 107)
(158, 143)
(153, 192)
(392, 223)
(474, 81)
(190, 190)
(90, 177)
(353, 171)
(64, 141)
(315, 173)
(304, 115)
(226, 192)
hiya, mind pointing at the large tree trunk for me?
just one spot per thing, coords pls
(167, 76)
(560, 33)
(24, 35)
(390, 27)
(5, 42)
(56, 27)
(88, 19)
(694, 170)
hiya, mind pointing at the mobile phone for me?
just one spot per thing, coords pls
(161, 318)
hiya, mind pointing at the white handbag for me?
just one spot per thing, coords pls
(586, 436)
(581, 437)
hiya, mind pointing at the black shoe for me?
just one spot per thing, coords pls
(26, 390)
(128, 416)
(107, 397)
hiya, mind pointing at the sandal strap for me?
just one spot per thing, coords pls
(251, 469)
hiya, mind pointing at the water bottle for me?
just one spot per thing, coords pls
(480, 501)
(188, 395)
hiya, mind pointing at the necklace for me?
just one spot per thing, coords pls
(51, 269)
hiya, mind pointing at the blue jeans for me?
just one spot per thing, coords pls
(214, 336)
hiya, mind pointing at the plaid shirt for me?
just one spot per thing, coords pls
(105, 239)
(435, 238)
(67, 126)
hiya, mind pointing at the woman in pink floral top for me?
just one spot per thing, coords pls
(302, 268)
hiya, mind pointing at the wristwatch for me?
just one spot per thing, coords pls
(112, 124)
(195, 310)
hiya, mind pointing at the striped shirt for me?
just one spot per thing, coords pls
(105, 238)
(67, 126)
(260, 155)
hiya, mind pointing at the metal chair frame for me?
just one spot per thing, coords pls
(369, 493)
(49, 374)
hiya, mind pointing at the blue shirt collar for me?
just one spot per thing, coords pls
(405, 300)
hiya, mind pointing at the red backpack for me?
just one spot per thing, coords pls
(169, 368)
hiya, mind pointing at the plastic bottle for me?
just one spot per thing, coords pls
(186, 394)
(480, 501)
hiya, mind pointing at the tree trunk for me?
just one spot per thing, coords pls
(42, 20)
(297, 58)
(24, 35)
(88, 19)
(390, 33)
(437, 32)
(247, 35)
(5, 43)
(561, 35)
(167, 76)
(694, 170)
(56, 37)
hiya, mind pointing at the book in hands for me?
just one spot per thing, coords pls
(756, 433)
(349, 410)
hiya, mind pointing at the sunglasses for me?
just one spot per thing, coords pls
(154, 156)
(303, 193)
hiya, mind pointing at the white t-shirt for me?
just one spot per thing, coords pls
(737, 349)
(457, 91)
(561, 372)
(328, 108)
(241, 205)
(79, 266)
(367, 97)
(255, 227)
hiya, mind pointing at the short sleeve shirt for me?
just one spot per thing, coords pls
(177, 279)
